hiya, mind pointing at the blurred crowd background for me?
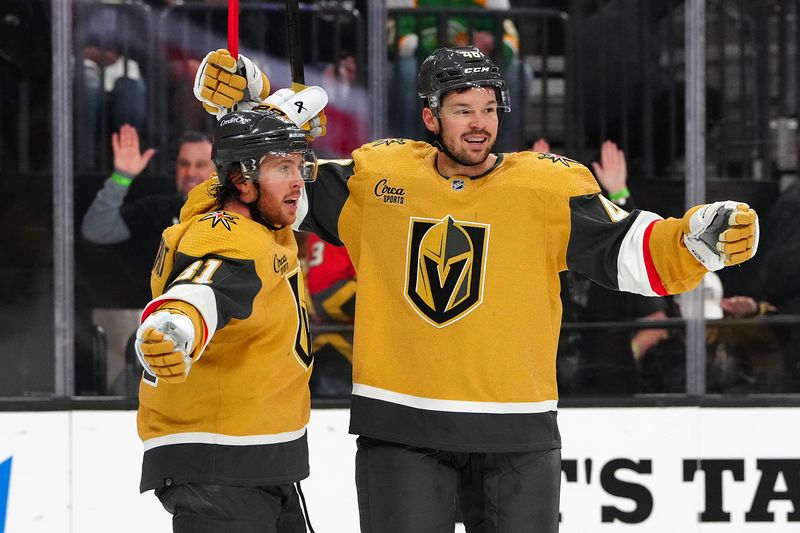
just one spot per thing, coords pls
(604, 82)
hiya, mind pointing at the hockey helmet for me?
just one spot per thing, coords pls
(448, 68)
(244, 138)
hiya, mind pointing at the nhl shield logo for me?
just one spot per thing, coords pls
(445, 266)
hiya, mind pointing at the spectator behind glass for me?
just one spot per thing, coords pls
(409, 46)
(742, 358)
(115, 275)
(136, 226)
(778, 285)
(604, 362)
(340, 82)
(108, 221)
(112, 85)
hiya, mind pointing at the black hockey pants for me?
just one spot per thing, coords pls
(406, 489)
(203, 508)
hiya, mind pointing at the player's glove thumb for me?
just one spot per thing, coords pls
(222, 82)
(305, 108)
(721, 234)
(164, 345)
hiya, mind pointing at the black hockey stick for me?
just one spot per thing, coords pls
(295, 45)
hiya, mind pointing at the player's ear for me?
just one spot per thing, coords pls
(431, 122)
(247, 190)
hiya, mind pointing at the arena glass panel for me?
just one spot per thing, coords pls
(26, 182)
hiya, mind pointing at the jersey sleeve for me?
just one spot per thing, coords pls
(636, 252)
(323, 200)
(220, 288)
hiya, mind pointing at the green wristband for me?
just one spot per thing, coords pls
(624, 193)
(121, 179)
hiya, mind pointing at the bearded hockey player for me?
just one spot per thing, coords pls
(458, 251)
(224, 400)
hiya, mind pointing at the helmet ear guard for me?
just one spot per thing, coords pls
(250, 169)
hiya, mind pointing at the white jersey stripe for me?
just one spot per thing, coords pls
(631, 269)
(224, 440)
(453, 406)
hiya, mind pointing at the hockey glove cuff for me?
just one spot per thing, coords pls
(305, 108)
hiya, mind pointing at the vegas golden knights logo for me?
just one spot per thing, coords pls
(445, 268)
(302, 342)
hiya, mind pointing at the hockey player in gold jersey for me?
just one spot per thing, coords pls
(224, 400)
(458, 252)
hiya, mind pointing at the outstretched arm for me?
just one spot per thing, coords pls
(642, 253)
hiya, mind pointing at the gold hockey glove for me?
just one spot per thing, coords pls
(164, 345)
(721, 234)
(222, 81)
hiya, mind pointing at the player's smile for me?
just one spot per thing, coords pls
(477, 140)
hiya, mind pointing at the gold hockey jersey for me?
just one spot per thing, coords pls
(240, 416)
(458, 313)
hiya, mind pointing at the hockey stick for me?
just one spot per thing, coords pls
(233, 28)
(295, 45)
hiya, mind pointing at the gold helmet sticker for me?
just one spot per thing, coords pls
(445, 268)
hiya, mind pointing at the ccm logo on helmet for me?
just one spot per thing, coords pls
(471, 70)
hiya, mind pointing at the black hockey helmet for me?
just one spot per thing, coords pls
(243, 138)
(449, 68)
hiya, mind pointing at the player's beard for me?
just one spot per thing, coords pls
(275, 211)
(466, 158)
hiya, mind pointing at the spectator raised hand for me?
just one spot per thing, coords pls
(611, 171)
(128, 159)
(541, 145)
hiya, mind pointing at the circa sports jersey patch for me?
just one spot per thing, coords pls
(220, 217)
(445, 268)
(391, 195)
(280, 264)
(555, 158)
